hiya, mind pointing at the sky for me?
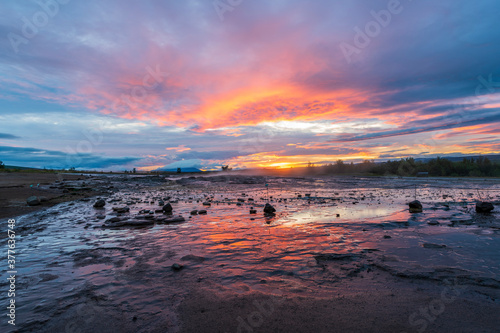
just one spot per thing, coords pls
(115, 85)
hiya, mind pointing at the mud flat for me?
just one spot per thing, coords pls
(339, 255)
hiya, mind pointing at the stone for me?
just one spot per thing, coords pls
(44, 199)
(433, 246)
(484, 207)
(173, 219)
(202, 211)
(177, 267)
(253, 211)
(167, 208)
(269, 209)
(206, 203)
(33, 201)
(194, 212)
(99, 203)
(415, 206)
(121, 209)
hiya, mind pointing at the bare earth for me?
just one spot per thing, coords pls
(16, 187)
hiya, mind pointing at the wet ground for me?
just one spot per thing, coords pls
(330, 238)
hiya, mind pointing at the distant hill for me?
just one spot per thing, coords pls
(183, 170)
(492, 158)
(20, 168)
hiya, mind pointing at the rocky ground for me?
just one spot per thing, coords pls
(208, 254)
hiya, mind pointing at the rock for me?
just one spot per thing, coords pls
(241, 200)
(44, 199)
(253, 211)
(121, 209)
(33, 201)
(206, 203)
(194, 212)
(173, 219)
(268, 209)
(177, 267)
(161, 203)
(484, 207)
(127, 223)
(99, 203)
(415, 206)
(202, 211)
(167, 208)
(433, 222)
(387, 237)
(307, 194)
(433, 246)
(113, 220)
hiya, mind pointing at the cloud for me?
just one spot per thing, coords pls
(179, 77)
(25, 156)
(8, 136)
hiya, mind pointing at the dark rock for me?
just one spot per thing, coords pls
(33, 201)
(194, 212)
(44, 199)
(100, 203)
(241, 200)
(253, 211)
(484, 207)
(127, 223)
(387, 236)
(415, 206)
(206, 203)
(202, 211)
(167, 208)
(173, 219)
(268, 209)
(433, 246)
(121, 209)
(177, 267)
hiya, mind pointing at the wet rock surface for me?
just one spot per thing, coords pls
(86, 266)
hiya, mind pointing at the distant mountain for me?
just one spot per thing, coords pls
(492, 158)
(182, 170)
(20, 167)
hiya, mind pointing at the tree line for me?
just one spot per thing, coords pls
(467, 167)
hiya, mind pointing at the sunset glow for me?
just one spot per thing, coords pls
(177, 84)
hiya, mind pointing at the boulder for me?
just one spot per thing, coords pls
(167, 208)
(33, 201)
(415, 206)
(99, 203)
(202, 211)
(269, 209)
(484, 207)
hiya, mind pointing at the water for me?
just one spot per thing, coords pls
(68, 264)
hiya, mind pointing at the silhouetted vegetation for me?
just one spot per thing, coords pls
(2, 166)
(468, 167)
